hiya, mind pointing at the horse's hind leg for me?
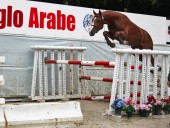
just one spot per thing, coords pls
(152, 62)
(107, 34)
(121, 37)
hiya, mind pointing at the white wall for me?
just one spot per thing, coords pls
(168, 31)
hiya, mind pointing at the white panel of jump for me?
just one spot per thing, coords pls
(2, 119)
(2, 81)
(32, 113)
(2, 59)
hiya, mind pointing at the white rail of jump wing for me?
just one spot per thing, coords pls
(57, 48)
(138, 51)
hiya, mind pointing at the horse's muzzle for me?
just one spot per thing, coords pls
(91, 33)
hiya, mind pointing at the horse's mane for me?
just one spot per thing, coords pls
(113, 12)
(110, 11)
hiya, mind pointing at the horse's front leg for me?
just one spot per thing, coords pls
(107, 34)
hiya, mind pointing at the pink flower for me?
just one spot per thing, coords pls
(134, 102)
(144, 107)
(149, 105)
(158, 102)
(129, 101)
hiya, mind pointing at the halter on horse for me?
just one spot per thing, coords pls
(122, 29)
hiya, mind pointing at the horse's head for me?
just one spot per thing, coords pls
(98, 23)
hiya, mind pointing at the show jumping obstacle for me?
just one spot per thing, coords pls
(145, 87)
(121, 81)
(50, 82)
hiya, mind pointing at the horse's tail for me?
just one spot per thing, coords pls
(148, 43)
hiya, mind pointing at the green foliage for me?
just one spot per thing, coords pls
(129, 108)
(166, 108)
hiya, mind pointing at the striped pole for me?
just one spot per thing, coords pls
(104, 79)
(106, 97)
(106, 64)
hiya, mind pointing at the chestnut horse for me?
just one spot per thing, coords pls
(121, 28)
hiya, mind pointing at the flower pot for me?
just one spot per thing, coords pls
(129, 114)
(118, 112)
(143, 113)
(157, 110)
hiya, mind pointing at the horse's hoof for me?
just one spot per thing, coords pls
(159, 68)
(112, 45)
(158, 81)
(125, 63)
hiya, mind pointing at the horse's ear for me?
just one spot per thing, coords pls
(100, 13)
(94, 13)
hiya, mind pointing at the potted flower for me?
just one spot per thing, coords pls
(118, 105)
(166, 105)
(156, 105)
(166, 108)
(129, 109)
(144, 109)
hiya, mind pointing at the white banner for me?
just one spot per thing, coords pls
(61, 21)
(168, 31)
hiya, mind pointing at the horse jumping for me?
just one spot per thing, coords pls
(121, 28)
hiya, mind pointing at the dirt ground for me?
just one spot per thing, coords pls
(93, 118)
(92, 111)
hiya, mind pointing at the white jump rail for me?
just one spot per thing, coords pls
(52, 85)
(146, 74)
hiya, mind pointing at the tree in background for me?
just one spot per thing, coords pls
(161, 8)
(149, 7)
(115, 5)
(140, 6)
